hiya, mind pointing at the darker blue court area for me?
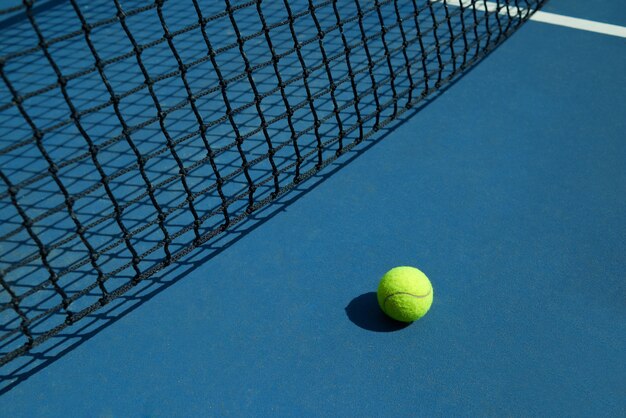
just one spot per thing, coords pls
(507, 188)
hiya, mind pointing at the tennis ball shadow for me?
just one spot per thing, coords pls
(364, 312)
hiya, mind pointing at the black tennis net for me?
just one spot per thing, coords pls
(132, 132)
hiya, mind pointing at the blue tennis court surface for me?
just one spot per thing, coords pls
(508, 189)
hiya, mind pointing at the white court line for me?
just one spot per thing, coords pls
(545, 17)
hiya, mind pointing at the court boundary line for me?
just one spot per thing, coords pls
(544, 17)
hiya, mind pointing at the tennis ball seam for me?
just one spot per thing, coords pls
(406, 294)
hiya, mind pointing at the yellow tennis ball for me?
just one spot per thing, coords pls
(405, 294)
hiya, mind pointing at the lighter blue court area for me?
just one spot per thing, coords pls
(508, 190)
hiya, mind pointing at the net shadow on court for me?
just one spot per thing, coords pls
(130, 136)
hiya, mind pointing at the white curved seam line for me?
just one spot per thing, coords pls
(406, 294)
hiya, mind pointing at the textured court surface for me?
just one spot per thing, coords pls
(510, 197)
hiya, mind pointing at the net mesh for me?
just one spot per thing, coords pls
(132, 132)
